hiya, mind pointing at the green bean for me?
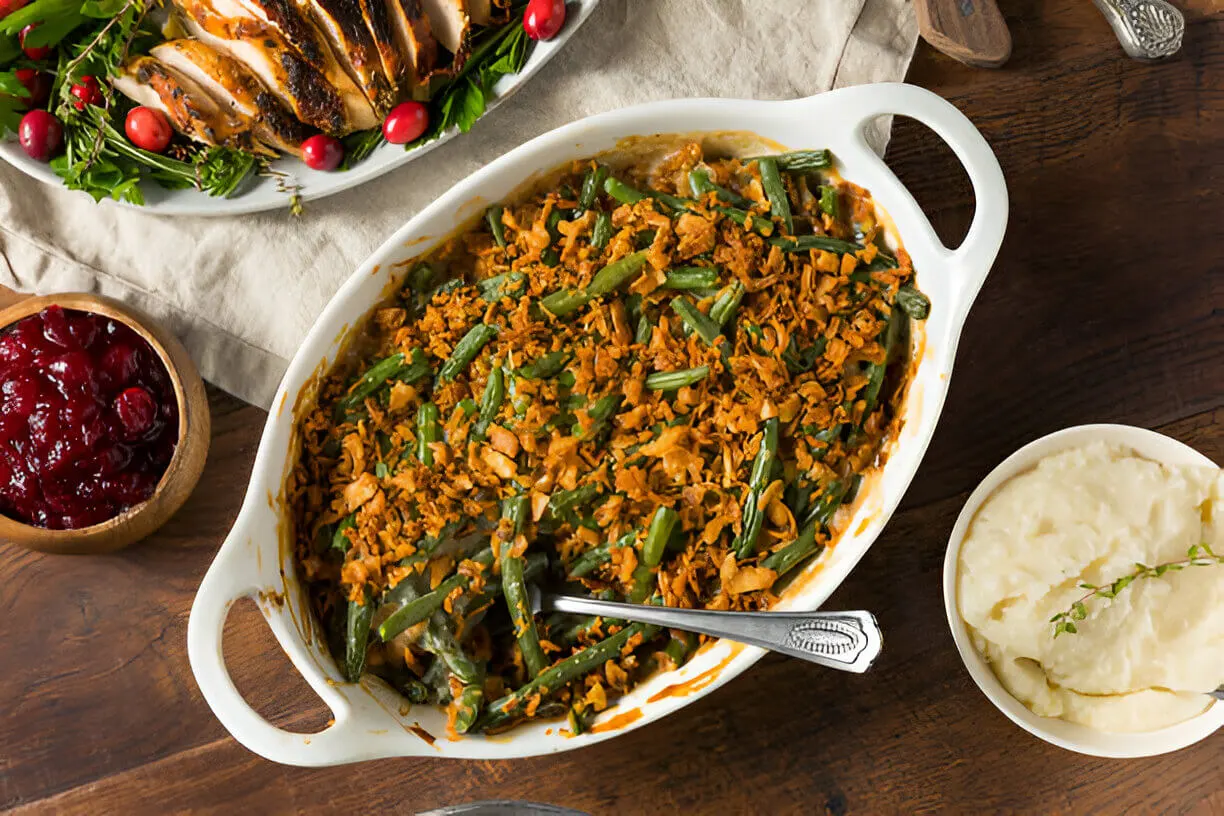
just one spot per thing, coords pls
(438, 640)
(560, 674)
(913, 303)
(564, 302)
(622, 192)
(418, 610)
(467, 707)
(641, 334)
(708, 329)
(426, 432)
(785, 559)
(726, 303)
(679, 648)
(699, 181)
(371, 380)
(599, 554)
(671, 380)
(661, 526)
(576, 722)
(356, 637)
(828, 201)
(758, 224)
(615, 274)
(549, 365)
(643, 586)
(491, 402)
(555, 217)
(775, 191)
(691, 277)
(601, 233)
(550, 257)
(514, 588)
(799, 161)
(339, 540)
(499, 286)
(804, 243)
(466, 350)
(472, 605)
(592, 183)
(876, 371)
(493, 216)
(753, 514)
(822, 510)
(563, 501)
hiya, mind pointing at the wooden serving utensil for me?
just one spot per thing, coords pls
(190, 450)
(969, 31)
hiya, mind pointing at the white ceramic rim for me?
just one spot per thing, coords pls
(252, 563)
(261, 194)
(1079, 738)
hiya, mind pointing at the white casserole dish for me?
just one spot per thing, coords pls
(256, 558)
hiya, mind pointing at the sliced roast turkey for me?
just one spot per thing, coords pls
(344, 25)
(279, 66)
(191, 110)
(232, 84)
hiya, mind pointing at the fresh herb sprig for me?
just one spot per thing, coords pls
(1200, 555)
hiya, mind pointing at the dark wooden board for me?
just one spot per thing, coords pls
(1107, 304)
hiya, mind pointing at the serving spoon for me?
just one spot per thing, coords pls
(848, 641)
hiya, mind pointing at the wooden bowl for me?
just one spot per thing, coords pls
(190, 451)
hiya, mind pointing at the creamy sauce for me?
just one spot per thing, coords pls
(1139, 662)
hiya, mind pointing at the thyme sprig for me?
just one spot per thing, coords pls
(1200, 555)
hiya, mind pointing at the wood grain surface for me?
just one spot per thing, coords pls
(1106, 305)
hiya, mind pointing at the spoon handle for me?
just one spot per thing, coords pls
(848, 641)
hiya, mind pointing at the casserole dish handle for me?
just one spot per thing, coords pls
(967, 265)
(238, 572)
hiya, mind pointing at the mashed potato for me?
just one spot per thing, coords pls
(1139, 662)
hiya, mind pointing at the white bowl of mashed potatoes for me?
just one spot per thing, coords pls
(1087, 506)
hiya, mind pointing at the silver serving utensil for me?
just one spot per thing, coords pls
(1218, 693)
(849, 641)
(1147, 29)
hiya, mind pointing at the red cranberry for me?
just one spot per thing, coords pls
(543, 18)
(148, 129)
(405, 123)
(34, 52)
(37, 84)
(71, 372)
(41, 135)
(120, 364)
(322, 152)
(55, 327)
(136, 411)
(21, 395)
(83, 329)
(87, 92)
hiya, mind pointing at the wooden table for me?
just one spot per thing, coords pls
(1106, 305)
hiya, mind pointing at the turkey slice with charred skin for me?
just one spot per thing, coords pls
(193, 112)
(394, 62)
(233, 85)
(416, 43)
(341, 21)
(279, 66)
(293, 22)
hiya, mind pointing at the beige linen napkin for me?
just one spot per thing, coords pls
(243, 291)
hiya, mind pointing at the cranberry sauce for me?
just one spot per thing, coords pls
(88, 419)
